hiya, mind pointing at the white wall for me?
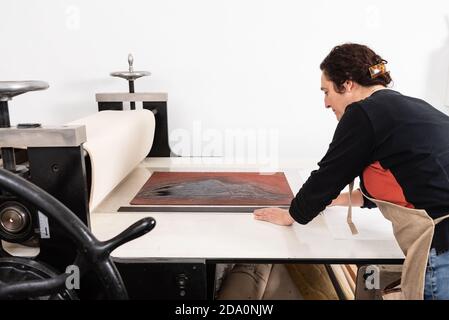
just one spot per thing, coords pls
(226, 65)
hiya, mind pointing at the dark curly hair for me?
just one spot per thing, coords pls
(351, 61)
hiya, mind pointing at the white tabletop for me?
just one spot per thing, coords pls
(232, 236)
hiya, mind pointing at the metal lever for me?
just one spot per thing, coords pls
(134, 231)
(130, 62)
(131, 81)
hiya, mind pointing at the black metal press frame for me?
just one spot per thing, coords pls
(161, 147)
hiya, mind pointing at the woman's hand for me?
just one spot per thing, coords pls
(274, 215)
(343, 199)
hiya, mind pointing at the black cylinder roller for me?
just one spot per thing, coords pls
(15, 222)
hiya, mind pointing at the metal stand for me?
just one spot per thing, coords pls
(155, 102)
(8, 90)
(56, 165)
(131, 76)
(9, 161)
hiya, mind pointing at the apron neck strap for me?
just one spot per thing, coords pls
(351, 224)
(438, 220)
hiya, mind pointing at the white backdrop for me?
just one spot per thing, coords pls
(230, 67)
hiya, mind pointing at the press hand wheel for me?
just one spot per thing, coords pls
(92, 254)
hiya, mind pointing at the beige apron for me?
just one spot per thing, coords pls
(413, 230)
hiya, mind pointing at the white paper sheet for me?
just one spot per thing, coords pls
(117, 141)
(370, 223)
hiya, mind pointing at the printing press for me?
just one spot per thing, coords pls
(67, 195)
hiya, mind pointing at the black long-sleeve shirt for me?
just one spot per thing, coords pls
(399, 146)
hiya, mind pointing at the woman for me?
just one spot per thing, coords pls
(399, 147)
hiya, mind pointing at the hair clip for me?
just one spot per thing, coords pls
(377, 70)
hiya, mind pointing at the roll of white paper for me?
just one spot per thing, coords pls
(117, 141)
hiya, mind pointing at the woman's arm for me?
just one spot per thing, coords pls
(283, 217)
(348, 155)
(343, 199)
